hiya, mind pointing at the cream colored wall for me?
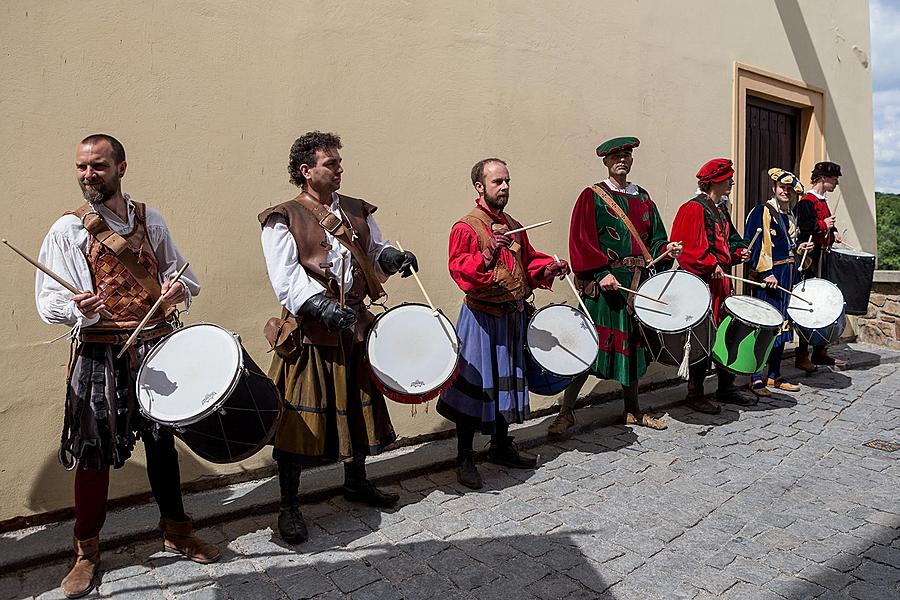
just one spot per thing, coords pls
(207, 97)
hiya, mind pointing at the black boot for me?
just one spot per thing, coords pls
(357, 488)
(466, 473)
(503, 451)
(291, 525)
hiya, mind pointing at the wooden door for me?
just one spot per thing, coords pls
(773, 140)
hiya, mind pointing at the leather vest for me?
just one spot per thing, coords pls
(125, 298)
(506, 285)
(312, 252)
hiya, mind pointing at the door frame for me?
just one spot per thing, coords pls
(753, 81)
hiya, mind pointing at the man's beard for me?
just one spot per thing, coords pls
(496, 202)
(102, 192)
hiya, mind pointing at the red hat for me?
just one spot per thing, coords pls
(716, 170)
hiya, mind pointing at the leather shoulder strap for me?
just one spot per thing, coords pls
(97, 226)
(335, 226)
(614, 206)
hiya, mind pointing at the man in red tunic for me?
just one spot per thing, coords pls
(816, 222)
(497, 272)
(711, 246)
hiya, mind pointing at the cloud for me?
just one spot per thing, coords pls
(885, 30)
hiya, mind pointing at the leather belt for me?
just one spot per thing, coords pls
(120, 337)
(495, 308)
(629, 262)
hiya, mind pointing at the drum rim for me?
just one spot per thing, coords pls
(535, 360)
(683, 329)
(852, 253)
(751, 323)
(840, 317)
(212, 407)
(404, 392)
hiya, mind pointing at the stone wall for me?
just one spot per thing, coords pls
(881, 325)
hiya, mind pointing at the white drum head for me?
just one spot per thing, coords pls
(411, 350)
(688, 299)
(827, 303)
(848, 252)
(562, 340)
(755, 311)
(188, 374)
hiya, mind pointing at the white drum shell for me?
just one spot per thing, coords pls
(827, 303)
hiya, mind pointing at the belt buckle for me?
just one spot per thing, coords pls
(330, 223)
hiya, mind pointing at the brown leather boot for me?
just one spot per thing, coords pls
(802, 362)
(820, 356)
(178, 536)
(563, 423)
(82, 575)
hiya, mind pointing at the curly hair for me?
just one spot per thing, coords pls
(118, 150)
(303, 152)
(478, 169)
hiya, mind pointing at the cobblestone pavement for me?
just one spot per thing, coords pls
(780, 500)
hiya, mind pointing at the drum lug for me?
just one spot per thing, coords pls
(179, 430)
(222, 412)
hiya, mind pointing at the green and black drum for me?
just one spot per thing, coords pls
(746, 334)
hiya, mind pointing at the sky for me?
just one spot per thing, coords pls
(885, 31)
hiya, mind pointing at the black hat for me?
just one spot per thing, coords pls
(826, 169)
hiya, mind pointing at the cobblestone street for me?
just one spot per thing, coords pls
(780, 500)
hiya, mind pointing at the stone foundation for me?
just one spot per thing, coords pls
(881, 325)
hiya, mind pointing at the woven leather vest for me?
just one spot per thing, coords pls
(125, 298)
(506, 285)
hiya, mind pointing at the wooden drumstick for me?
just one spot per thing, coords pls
(660, 257)
(761, 284)
(574, 290)
(419, 281)
(640, 295)
(42, 267)
(527, 227)
(130, 342)
(753, 241)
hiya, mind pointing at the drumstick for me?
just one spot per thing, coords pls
(761, 284)
(527, 227)
(574, 290)
(137, 331)
(42, 267)
(803, 260)
(419, 281)
(660, 257)
(665, 287)
(639, 295)
(753, 241)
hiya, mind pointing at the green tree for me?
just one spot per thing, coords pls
(887, 210)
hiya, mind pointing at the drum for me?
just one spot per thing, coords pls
(746, 334)
(201, 383)
(852, 272)
(413, 353)
(823, 321)
(683, 326)
(560, 344)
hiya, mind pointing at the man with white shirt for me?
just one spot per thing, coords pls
(325, 254)
(121, 254)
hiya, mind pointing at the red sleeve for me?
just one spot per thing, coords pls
(584, 243)
(690, 229)
(466, 263)
(535, 262)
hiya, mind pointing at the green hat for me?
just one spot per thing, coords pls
(617, 145)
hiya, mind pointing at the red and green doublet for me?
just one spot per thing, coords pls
(598, 238)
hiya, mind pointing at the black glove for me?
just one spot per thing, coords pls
(329, 312)
(392, 260)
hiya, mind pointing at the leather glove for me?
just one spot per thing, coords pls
(392, 260)
(498, 240)
(329, 312)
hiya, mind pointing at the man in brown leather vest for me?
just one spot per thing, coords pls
(497, 272)
(121, 253)
(325, 256)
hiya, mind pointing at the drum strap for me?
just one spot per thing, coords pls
(614, 206)
(335, 226)
(97, 226)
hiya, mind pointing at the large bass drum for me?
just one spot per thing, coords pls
(684, 323)
(200, 382)
(413, 353)
(852, 271)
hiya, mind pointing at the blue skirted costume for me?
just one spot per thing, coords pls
(775, 253)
